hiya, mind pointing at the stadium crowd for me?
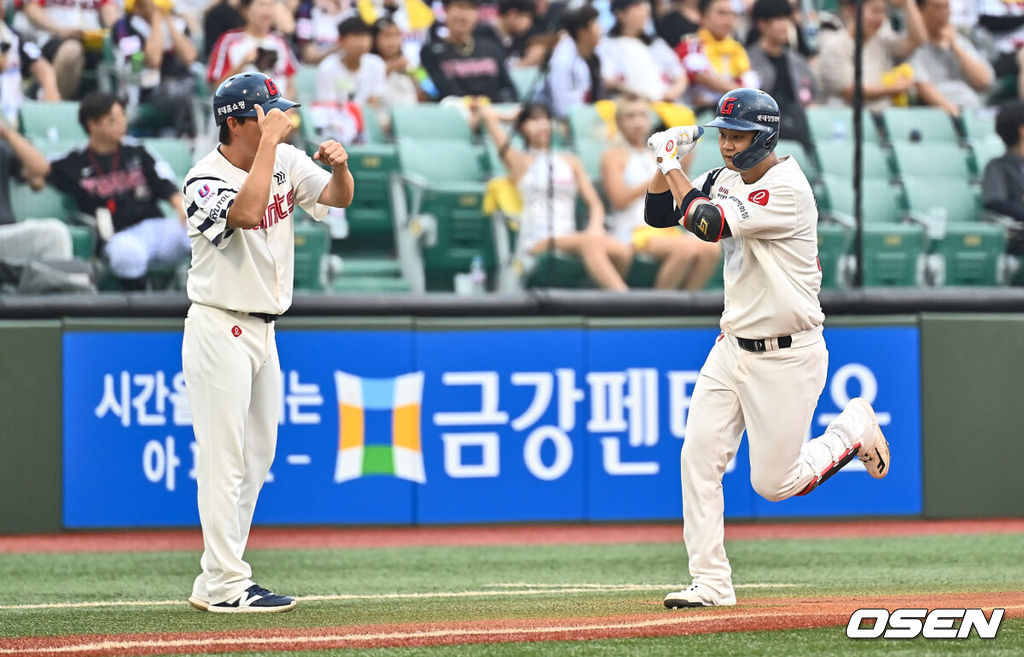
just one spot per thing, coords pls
(517, 71)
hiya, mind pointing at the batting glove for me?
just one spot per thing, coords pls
(687, 137)
(665, 147)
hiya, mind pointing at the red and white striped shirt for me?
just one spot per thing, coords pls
(232, 47)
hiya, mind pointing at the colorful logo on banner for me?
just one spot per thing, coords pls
(379, 427)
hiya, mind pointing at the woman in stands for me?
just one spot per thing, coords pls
(549, 183)
(626, 168)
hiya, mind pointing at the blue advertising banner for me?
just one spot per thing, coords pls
(445, 426)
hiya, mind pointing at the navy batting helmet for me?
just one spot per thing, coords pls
(749, 110)
(240, 94)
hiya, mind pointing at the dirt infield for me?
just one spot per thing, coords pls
(761, 614)
(304, 538)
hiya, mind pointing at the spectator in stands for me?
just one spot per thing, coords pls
(349, 78)
(160, 42)
(1002, 186)
(462, 60)
(515, 20)
(950, 73)
(883, 49)
(780, 70)
(797, 40)
(574, 70)
(400, 87)
(549, 183)
(71, 35)
(715, 62)
(637, 62)
(682, 19)
(255, 47)
(220, 17)
(545, 31)
(119, 182)
(21, 60)
(316, 28)
(626, 171)
(35, 239)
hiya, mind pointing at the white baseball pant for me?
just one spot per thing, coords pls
(234, 386)
(771, 394)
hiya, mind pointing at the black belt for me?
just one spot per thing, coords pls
(785, 342)
(264, 316)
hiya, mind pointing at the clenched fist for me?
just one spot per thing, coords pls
(332, 154)
(274, 125)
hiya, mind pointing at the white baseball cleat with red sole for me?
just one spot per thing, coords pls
(874, 449)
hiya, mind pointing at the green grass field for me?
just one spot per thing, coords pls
(511, 583)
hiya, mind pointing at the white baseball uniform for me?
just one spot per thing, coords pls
(229, 357)
(772, 279)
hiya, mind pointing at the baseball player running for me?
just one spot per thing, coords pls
(768, 367)
(240, 200)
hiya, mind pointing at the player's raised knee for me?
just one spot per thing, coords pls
(770, 488)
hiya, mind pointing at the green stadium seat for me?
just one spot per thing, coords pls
(836, 124)
(590, 154)
(585, 124)
(835, 158)
(375, 275)
(494, 164)
(557, 269)
(928, 124)
(311, 245)
(834, 243)
(304, 83)
(450, 189)
(373, 131)
(978, 126)
(893, 251)
(524, 78)
(48, 203)
(969, 250)
(881, 201)
(430, 122)
(50, 121)
(930, 159)
(54, 149)
(175, 152)
(796, 149)
(983, 151)
(370, 215)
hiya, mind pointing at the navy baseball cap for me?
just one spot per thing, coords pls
(240, 94)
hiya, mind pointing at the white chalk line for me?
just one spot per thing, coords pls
(628, 587)
(382, 636)
(514, 589)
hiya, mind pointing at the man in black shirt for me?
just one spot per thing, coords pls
(783, 73)
(465, 61)
(120, 182)
(1002, 186)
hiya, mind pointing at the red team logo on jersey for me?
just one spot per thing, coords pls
(727, 106)
(235, 331)
(760, 197)
(271, 87)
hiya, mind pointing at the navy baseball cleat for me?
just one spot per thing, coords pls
(254, 599)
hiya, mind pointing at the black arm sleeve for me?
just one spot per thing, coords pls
(660, 210)
(1009, 207)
